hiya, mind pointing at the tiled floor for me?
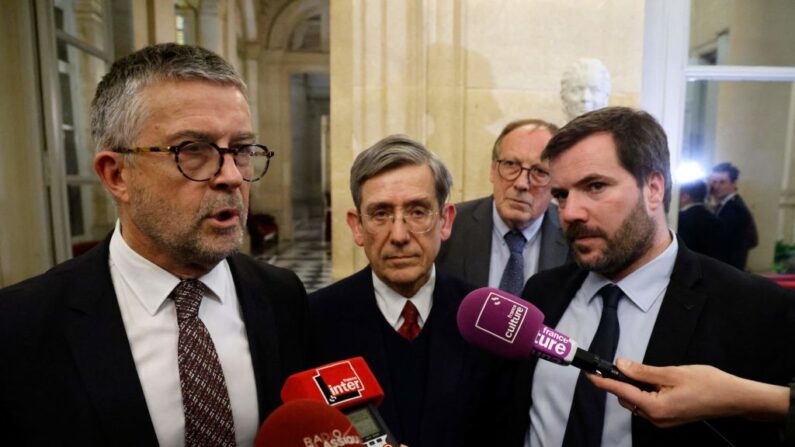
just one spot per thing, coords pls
(307, 255)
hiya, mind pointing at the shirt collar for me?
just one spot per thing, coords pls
(691, 205)
(391, 303)
(642, 286)
(150, 283)
(502, 228)
(727, 198)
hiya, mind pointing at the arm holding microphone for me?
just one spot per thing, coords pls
(694, 392)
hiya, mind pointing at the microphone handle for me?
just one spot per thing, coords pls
(591, 363)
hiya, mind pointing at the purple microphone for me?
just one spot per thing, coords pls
(511, 327)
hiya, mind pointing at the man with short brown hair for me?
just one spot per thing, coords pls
(636, 292)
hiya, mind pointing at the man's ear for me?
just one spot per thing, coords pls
(447, 216)
(113, 173)
(655, 190)
(356, 227)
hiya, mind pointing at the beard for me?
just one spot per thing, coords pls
(182, 236)
(630, 242)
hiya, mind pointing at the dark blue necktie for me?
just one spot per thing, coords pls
(513, 276)
(587, 416)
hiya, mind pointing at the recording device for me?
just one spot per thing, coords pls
(307, 423)
(349, 386)
(511, 327)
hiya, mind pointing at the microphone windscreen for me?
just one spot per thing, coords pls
(499, 322)
(305, 422)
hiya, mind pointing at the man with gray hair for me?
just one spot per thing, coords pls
(162, 334)
(399, 313)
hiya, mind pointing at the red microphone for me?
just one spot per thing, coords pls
(350, 386)
(307, 423)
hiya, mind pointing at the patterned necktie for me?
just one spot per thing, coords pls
(513, 276)
(410, 327)
(586, 419)
(205, 399)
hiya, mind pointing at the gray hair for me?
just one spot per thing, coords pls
(118, 110)
(393, 152)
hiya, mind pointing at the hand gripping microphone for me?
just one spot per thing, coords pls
(351, 387)
(511, 327)
(307, 423)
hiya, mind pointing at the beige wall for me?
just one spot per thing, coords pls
(24, 234)
(452, 73)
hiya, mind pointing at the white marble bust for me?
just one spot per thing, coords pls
(585, 86)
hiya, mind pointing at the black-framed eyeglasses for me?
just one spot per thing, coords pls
(510, 170)
(201, 161)
(417, 219)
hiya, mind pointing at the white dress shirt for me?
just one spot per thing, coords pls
(500, 253)
(553, 385)
(391, 303)
(150, 320)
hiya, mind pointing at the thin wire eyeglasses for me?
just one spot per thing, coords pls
(510, 170)
(418, 220)
(201, 161)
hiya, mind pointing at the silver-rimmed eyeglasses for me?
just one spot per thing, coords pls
(510, 170)
(417, 219)
(201, 161)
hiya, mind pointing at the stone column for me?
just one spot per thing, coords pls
(395, 68)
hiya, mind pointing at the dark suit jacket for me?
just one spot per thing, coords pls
(467, 253)
(68, 375)
(464, 384)
(711, 314)
(701, 231)
(740, 231)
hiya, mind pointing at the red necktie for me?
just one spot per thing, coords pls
(410, 328)
(205, 399)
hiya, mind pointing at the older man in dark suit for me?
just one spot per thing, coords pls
(399, 313)
(636, 292)
(502, 240)
(162, 334)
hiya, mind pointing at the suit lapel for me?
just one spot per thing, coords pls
(679, 313)
(259, 319)
(95, 333)
(552, 304)
(478, 240)
(554, 247)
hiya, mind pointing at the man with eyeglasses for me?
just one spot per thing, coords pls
(399, 312)
(162, 334)
(502, 240)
